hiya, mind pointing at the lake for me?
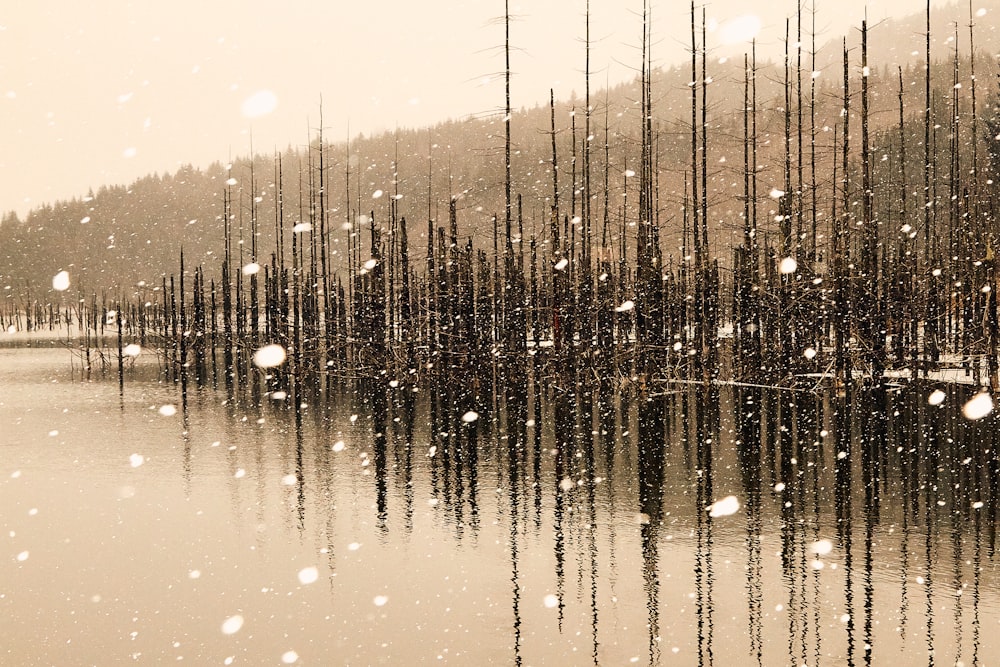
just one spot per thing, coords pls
(686, 525)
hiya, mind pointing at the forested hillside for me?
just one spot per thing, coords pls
(119, 235)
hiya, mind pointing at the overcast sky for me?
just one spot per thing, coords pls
(105, 92)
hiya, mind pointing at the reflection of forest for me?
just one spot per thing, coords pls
(865, 520)
(554, 526)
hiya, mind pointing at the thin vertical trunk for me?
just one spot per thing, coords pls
(507, 118)
(798, 143)
(930, 320)
(753, 150)
(814, 255)
(785, 207)
(706, 353)
(555, 162)
(927, 142)
(907, 251)
(254, 296)
(227, 294)
(786, 296)
(585, 282)
(871, 306)
(704, 135)
(842, 248)
(697, 321)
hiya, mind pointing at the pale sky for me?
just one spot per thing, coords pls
(105, 92)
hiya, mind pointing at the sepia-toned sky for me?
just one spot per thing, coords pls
(100, 93)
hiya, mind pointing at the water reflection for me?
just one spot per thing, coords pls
(651, 461)
(545, 523)
(747, 442)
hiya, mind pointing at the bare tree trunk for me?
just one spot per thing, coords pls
(931, 351)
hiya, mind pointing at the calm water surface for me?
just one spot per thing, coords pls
(569, 530)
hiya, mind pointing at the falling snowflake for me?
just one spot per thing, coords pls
(259, 104)
(269, 356)
(788, 265)
(978, 406)
(232, 625)
(60, 281)
(821, 547)
(725, 507)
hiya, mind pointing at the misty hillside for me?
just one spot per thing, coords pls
(118, 236)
